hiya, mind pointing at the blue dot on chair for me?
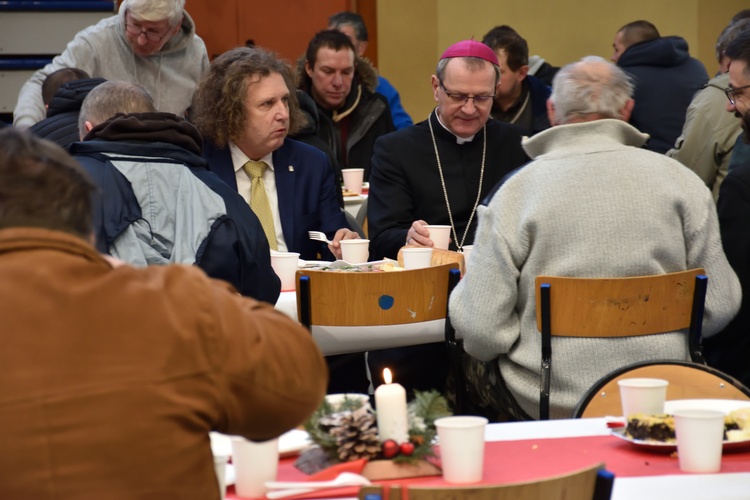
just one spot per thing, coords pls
(385, 302)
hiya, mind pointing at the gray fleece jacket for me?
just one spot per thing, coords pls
(170, 75)
(590, 204)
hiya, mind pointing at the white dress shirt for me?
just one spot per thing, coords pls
(269, 183)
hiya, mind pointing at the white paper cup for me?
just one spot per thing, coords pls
(353, 178)
(461, 442)
(467, 251)
(355, 251)
(440, 236)
(220, 466)
(642, 395)
(285, 266)
(700, 438)
(254, 464)
(417, 258)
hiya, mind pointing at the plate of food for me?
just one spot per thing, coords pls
(656, 433)
(351, 197)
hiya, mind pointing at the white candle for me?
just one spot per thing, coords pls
(390, 405)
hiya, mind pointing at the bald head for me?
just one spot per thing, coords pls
(110, 98)
(590, 89)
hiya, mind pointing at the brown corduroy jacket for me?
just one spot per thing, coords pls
(113, 377)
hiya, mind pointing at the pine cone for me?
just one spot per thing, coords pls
(357, 436)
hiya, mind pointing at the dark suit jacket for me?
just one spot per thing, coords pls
(729, 350)
(306, 187)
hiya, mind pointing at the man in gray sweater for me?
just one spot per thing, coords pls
(592, 203)
(149, 42)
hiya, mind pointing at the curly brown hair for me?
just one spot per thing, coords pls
(219, 102)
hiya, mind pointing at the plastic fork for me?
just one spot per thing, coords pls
(319, 236)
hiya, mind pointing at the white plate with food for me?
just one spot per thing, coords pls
(669, 447)
(725, 405)
(354, 198)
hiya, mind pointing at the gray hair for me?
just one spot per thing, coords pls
(591, 86)
(110, 98)
(728, 34)
(155, 10)
(472, 63)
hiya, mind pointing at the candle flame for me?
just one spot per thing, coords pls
(387, 377)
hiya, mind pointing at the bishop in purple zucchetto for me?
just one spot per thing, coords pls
(470, 48)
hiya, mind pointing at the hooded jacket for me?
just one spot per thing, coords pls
(171, 75)
(666, 78)
(160, 205)
(61, 124)
(366, 112)
(708, 136)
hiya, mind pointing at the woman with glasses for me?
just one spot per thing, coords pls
(150, 42)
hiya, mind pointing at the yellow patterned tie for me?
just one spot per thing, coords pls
(259, 200)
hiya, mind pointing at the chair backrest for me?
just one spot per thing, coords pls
(372, 298)
(386, 309)
(617, 307)
(686, 381)
(591, 483)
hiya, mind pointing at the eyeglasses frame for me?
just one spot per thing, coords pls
(730, 92)
(456, 95)
(145, 32)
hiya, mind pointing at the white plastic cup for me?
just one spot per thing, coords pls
(700, 438)
(254, 464)
(643, 395)
(461, 442)
(466, 249)
(285, 266)
(355, 251)
(417, 258)
(220, 466)
(353, 179)
(440, 236)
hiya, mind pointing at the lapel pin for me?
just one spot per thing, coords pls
(291, 168)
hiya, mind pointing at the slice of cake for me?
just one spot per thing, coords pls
(658, 428)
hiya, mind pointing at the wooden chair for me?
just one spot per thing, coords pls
(686, 381)
(593, 483)
(617, 307)
(329, 300)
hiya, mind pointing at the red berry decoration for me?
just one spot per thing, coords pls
(407, 449)
(390, 448)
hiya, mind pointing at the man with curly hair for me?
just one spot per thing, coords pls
(245, 108)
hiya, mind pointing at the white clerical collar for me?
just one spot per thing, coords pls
(459, 140)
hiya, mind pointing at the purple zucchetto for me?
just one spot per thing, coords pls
(470, 48)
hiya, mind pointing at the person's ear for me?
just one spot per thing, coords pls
(523, 71)
(435, 86)
(361, 48)
(627, 110)
(88, 125)
(551, 112)
(308, 69)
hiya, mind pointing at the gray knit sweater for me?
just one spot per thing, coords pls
(591, 204)
(170, 75)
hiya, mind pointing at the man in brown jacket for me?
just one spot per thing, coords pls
(113, 376)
